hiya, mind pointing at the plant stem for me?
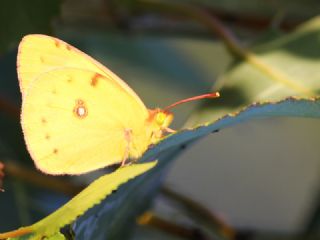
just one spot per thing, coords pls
(30, 176)
(9, 108)
(197, 211)
(16, 233)
(152, 220)
(197, 14)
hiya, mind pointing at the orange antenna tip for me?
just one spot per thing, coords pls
(208, 95)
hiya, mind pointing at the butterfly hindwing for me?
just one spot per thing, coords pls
(75, 121)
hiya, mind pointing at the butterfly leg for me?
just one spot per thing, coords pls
(127, 135)
(170, 130)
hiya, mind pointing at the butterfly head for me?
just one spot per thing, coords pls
(163, 118)
(159, 121)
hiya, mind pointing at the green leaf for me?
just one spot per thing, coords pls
(19, 17)
(56, 236)
(87, 198)
(26, 237)
(107, 220)
(289, 107)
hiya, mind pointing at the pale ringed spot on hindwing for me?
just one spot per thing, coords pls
(80, 110)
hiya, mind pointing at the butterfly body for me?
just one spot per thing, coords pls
(78, 116)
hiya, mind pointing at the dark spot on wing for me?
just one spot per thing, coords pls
(57, 43)
(69, 80)
(95, 78)
(43, 120)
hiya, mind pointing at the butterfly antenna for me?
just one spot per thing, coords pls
(208, 95)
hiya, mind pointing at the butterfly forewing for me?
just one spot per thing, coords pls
(41, 53)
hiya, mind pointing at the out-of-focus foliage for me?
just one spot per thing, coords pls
(295, 9)
(19, 17)
(291, 56)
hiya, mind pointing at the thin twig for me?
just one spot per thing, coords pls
(200, 212)
(197, 14)
(151, 220)
(33, 177)
(9, 108)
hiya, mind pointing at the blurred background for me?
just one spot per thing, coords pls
(260, 178)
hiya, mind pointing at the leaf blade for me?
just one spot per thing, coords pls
(87, 198)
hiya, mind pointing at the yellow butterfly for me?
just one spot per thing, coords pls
(77, 116)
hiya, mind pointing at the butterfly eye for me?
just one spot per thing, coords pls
(160, 118)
